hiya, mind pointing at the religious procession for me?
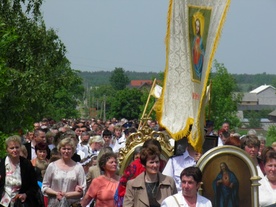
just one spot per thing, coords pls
(113, 163)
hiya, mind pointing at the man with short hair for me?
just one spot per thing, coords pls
(39, 136)
(191, 179)
(83, 144)
(226, 126)
(111, 128)
(119, 139)
(209, 127)
(107, 137)
(36, 125)
(226, 129)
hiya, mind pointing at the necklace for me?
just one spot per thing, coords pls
(151, 188)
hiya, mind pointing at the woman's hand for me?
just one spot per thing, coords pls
(60, 195)
(78, 188)
(22, 197)
(85, 200)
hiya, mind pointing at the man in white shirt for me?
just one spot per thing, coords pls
(224, 129)
(119, 139)
(191, 178)
(176, 164)
(83, 145)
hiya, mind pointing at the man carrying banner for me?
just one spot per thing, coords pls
(177, 163)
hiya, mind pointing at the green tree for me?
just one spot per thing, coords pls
(224, 102)
(7, 36)
(100, 91)
(119, 79)
(125, 103)
(271, 135)
(254, 120)
(36, 77)
(274, 83)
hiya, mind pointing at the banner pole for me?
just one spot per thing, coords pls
(152, 86)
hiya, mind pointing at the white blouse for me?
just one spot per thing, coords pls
(63, 180)
(267, 195)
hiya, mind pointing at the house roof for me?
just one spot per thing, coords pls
(273, 113)
(250, 97)
(261, 88)
(138, 83)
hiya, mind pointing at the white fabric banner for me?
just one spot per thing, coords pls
(156, 91)
(193, 31)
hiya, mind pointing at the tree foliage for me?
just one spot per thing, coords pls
(36, 78)
(271, 135)
(254, 120)
(119, 79)
(125, 103)
(224, 102)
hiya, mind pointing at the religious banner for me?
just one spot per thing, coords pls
(193, 31)
(156, 91)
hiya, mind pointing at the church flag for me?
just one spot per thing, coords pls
(193, 31)
(156, 91)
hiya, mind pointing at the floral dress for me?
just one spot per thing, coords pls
(12, 183)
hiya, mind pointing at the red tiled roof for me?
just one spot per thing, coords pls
(137, 83)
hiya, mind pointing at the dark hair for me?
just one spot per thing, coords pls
(265, 151)
(104, 158)
(154, 142)
(41, 146)
(194, 172)
(37, 131)
(250, 140)
(137, 150)
(270, 154)
(106, 132)
(151, 151)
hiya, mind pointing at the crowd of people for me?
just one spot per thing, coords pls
(74, 163)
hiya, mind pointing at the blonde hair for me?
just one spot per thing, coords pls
(97, 139)
(67, 141)
(24, 151)
(118, 127)
(14, 138)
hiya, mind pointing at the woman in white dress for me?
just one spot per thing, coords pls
(267, 189)
(64, 179)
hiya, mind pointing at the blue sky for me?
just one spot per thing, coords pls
(104, 34)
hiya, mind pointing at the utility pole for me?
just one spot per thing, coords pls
(104, 115)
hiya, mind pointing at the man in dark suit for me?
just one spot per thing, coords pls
(39, 136)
